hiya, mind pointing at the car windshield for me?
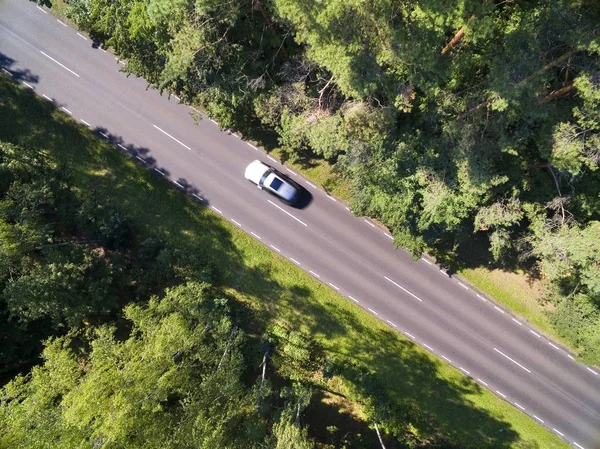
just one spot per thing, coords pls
(276, 183)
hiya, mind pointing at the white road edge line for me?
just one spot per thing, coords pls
(285, 211)
(159, 172)
(82, 36)
(275, 248)
(196, 196)
(399, 286)
(501, 394)
(518, 322)
(214, 121)
(62, 23)
(484, 383)
(310, 184)
(248, 143)
(369, 223)
(141, 159)
(237, 223)
(47, 97)
(354, 299)
(6, 71)
(410, 335)
(559, 432)
(272, 158)
(176, 140)
(428, 347)
(447, 359)
(103, 135)
(177, 184)
(28, 85)
(256, 235)
(314, 274)
(499, 309)
(332, 198)
(570, 356)
(295, 261)
(390, 323)
(520, 406)
(42, 9)
(292, 172)
(579, 446)
(372, 311)
(213, 207)
(444, 273)
(539, 419)
(84, 122)
(463, 370)
(122, 147)
(463, 285)
(591, 370)
(535, 333)
(426, 261)
(553, 345)
(480, 297)
(176, 97)
(514, 361)
(335, 287)
(63, 66)
(66, 110)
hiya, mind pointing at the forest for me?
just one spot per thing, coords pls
(470, 129)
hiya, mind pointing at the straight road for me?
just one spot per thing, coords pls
(348, 253)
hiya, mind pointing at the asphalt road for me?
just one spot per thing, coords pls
(348, 253)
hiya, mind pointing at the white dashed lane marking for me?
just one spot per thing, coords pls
(42, 9)
(295, 261)
(272, 159)
(535, 333)
(28, 85)
(591, 370)
(579, 446)
(501, 394)
(409, 335)
(256, 235)
(518, 322)
(499, 309)
(539, 419)
(214, 208)
(275, 248)
(238, 223)
(447, 359)
(6, 71)
(256, 149)
(463, 370)
(103, 135)
(169, 135)
(139, 158)
(124, 148)
(293, 173)
(403, 289)
(198, 197)
(85, 123)
(47, 97)
(62, 65)
(314, 274)
(481, 297)
(82, 36)
(310, 184)
(520, 406)
(354, 299)
(428, 347)
(426, 261)
(62, 23)
(335, 287)
(390, 323)
(463, 285)
(559, 432)
(481, 381)
(66, 110)
(159, 172)
(286, 212)
(512, 360)
(372, 311)
(369, 223)
(177, 184)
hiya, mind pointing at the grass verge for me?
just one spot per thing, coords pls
(275, 289)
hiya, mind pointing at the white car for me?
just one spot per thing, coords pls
(274, 182)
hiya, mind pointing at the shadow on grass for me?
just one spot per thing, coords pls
(355, 343)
